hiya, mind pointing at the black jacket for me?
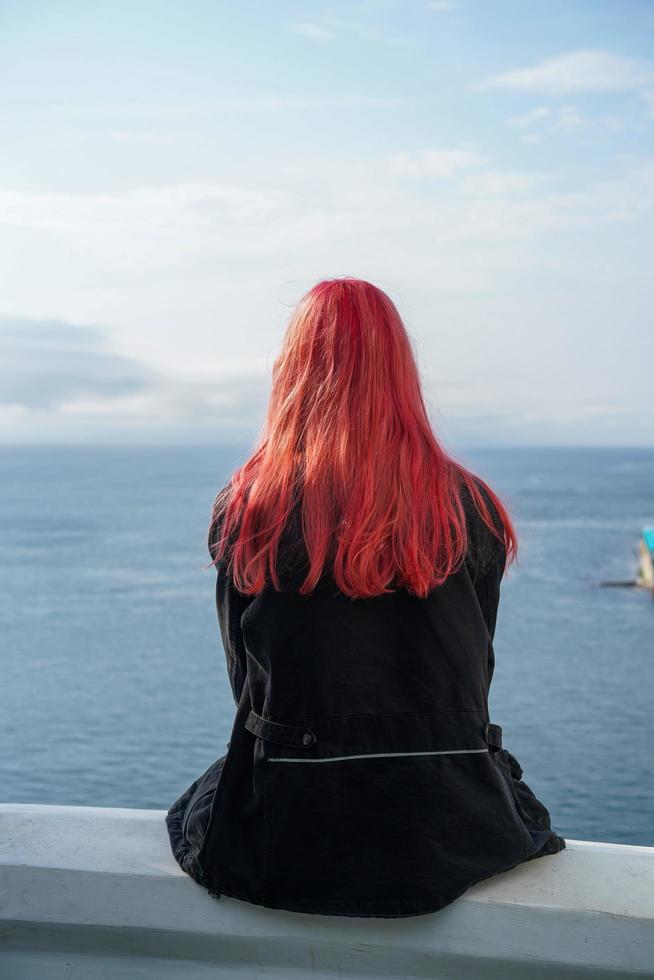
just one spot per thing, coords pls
(363, 775)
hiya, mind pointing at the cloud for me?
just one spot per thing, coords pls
(315, 32)
(122, 211)
(501, 183)
(44, 363)
(189, 275)
(172, 240)
(578, 71)
(189, 251)
(365, 21)
(57, 373)
(531, 118)
(569, 118)
(566, 118)
(434, 163)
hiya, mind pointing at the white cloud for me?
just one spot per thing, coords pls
(316, 32)
(371, 26)
(44, 362)
(179, 245)
(569, 119)
(434, 163)
(501, 184)
(52, 370)
(578, 71)
(531, 118)
(191, 276)
(175, 227)
(118, 212)
(566, 118)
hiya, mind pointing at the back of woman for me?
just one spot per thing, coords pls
(358, 581)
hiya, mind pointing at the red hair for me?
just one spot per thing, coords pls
(347, 436)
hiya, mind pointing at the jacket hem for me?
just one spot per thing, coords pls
(373, 909)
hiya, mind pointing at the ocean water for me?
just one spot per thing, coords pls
(114, 689)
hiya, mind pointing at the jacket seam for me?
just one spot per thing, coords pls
(389, 714)
(377, 755)
(266, 877)
(487, 608)
(392, 748)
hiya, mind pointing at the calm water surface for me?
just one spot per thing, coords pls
(114, 687)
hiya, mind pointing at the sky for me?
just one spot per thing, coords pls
(174, 176)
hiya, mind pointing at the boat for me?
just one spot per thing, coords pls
(645, 572)
(645, 576)
(94, 892)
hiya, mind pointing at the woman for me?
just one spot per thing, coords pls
(358, 573)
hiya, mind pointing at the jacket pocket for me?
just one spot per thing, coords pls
(534, 818)
(534, 813)
(198, 809)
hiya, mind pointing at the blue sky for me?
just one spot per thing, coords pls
(175, 176)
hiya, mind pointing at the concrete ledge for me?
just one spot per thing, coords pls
(90, 892)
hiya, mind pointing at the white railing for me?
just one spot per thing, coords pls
(89, 893)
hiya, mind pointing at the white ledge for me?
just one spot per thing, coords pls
(93, 892)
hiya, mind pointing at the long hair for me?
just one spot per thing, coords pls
(347, 439)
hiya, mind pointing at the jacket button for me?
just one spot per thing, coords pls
(307, 738)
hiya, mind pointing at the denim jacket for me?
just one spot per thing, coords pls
(363, 775)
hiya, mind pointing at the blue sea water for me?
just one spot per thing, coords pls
(114, 689)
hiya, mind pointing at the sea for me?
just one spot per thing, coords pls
(114, 689)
